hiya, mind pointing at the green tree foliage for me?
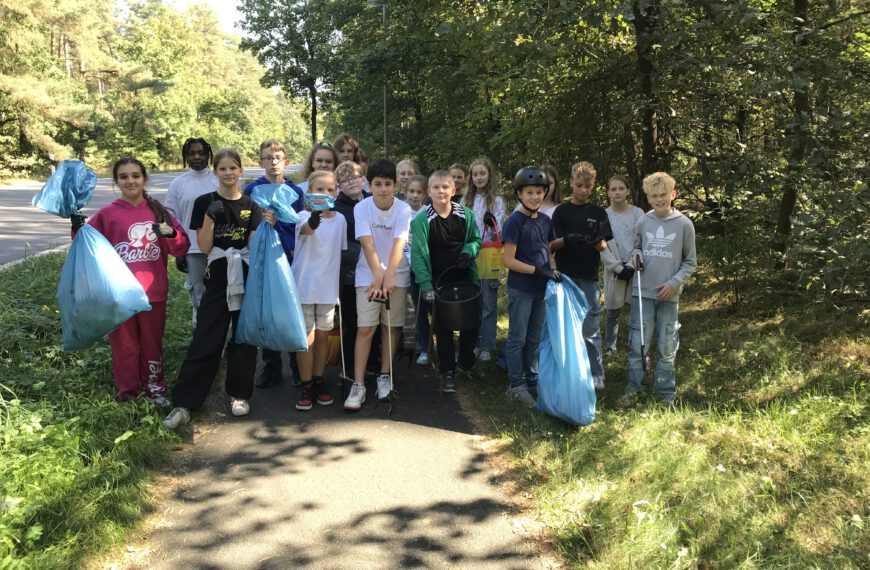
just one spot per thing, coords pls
(757, 108)
(78, 81)
(295, 42)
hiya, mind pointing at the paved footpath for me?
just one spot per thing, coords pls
(327, 489)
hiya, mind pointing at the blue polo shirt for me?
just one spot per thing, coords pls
(286, 231)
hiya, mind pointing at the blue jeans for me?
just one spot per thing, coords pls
(488, 313)
(611, 328)
(592, 325)
(659, 317)
(421, 325)
(523, 345)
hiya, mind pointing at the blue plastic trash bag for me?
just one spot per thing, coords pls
(565, 388)
(319, 202)
(271, 316)
(68, 190)
(97, 291)
(278, 197)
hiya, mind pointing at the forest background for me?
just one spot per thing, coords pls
(758, 108)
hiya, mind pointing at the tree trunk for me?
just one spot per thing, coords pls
(312, 93)
(646, 21)
(798, 132)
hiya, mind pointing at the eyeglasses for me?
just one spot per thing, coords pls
(350, 180)
(273, 159)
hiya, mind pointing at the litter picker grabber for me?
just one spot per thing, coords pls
(391, 398)
(640, 313)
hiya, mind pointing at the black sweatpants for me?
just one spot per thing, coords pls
(447, 351)
(203, 358)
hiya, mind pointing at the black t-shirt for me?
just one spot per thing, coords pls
(232, 228)
(446, 239)
(590, 221)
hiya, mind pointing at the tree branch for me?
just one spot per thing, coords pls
(851, 16)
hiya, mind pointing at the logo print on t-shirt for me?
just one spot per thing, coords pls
(142, 245)
(658, 242)
(245, 214)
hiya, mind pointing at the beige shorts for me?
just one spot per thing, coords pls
(321, 315)
(369, 313)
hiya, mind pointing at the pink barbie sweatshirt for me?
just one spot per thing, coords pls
(128, 228)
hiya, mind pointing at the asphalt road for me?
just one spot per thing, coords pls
(25, 230)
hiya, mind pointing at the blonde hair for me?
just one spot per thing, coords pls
(583, 169)
(441, 174)
(659, 181)
(348, 168)
(320, 174)
(488, 192)
(410, 162)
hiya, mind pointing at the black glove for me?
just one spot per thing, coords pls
(214, 210)
(314, 220)
(77, 221)
(463, 261)
(429, 296)
(164, 230)
(489, 220)
(626, 274)
(181, 263)
(575, 239)
(545, 271)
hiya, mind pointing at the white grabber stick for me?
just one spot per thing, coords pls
(392, 396)
(640, 314)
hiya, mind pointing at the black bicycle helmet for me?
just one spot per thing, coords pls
(530, 176)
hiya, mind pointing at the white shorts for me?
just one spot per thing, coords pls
(322, 315)
(369, 313)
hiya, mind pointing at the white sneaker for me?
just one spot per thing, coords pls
(598, 382)
(177, 417)
(241, 407)
(384, 388)
(484, 356)
(423, 359)
(356, 398)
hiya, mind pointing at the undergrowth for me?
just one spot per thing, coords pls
(74, 463)
(764, 462)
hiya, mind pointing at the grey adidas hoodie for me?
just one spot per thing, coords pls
(668, 248)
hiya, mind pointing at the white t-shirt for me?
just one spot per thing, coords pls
(317, 259)
(499, 211)
(384, 227)
(183, 192)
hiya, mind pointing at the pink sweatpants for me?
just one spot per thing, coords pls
(137, 354)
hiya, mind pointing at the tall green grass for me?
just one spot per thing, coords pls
(764, 462)
(74, 463)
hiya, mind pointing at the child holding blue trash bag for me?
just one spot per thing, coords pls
(144, 235)
(225, 221)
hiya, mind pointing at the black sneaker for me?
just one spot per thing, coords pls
(448, 384)
(268, 377)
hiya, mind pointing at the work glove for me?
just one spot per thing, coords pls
(215, 209)
(489, 220)
(77, 221)
(164, 230)
(576, 239)
(463, 261)
(314, 220)
(626, 274)
(429, 296)
(181, 263)
(546, 271)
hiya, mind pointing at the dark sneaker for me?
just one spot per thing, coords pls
(627, 401)
(306, 397)
(268, 377)
(521, 394)
(448, 384)
(322, 395)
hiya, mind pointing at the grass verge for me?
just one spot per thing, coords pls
(764, 463)
(74, 463)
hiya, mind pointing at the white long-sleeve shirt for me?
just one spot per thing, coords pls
(183, 192)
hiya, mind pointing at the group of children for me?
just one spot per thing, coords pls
(392, 234)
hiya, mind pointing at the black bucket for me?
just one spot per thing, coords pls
(457, 306)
